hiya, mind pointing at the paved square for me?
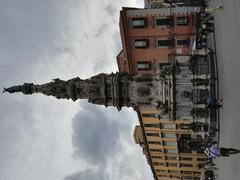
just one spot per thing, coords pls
(227, 24)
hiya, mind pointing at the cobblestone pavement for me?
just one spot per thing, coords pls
(227, 25)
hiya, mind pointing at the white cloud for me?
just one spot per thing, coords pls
(106, 142)
(41, 40)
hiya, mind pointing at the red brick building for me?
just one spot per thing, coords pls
(153, 36)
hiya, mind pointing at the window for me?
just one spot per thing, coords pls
(175, 176)
(171, 151)
(174, 172)
(154, 134)
(197, 178)
(187, 173)
(139, 23)
(154, 142)
(172, 164)
(167, 22)
(161, 176)
(143, 66)
(168, 126)
(187, 178)
(159, 164)
(161, 171)
(172, 157)
(156, 150)
(169, 135)
(168, 143)
(161, 43)
(186, 165)
(186, 158)
(182, 21)
(156, 157)
(140, 43)
(183, 42)
(152, 125)
(154, 115)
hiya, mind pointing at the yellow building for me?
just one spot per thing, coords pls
(162, 145)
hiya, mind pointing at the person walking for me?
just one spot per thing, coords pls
(214, 152)
(213, 103)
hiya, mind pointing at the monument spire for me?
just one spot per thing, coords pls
(57, 88)
(105, 89)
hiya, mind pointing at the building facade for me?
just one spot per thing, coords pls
(165, 145)
(150, 37)
(162, 42)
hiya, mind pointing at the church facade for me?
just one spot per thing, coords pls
(175, 52)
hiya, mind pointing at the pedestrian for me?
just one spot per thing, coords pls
(208, 27)
(213, 103)
(209, 175)
(222, 151)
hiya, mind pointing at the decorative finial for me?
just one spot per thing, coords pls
(12, 89)
(25, 88)
(4, 90)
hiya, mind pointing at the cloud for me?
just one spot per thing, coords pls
(46, 39)
(101, 30)
(89, 174)
(103, 138)
(111, 10)
(95, 136)
(32, 136)
(23, 35)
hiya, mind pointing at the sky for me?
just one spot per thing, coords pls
(46, 138)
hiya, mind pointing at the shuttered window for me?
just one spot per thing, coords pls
(140, 43)
(183, 42)
(164, 43)
(139, 23)
(167, 22)
(143, 66)
(182, 21)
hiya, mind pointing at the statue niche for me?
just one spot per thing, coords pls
(142, 92)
